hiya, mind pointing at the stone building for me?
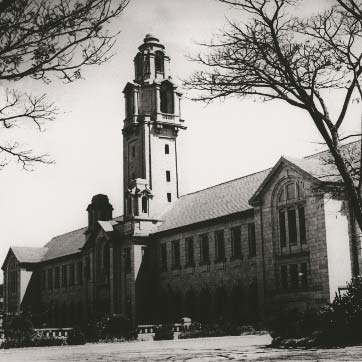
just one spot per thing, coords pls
(235, 251)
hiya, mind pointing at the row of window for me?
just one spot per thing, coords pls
(292, 226)
(294, 276)
(219, 235)
(65, 275)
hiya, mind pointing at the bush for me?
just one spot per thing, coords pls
(76, 337)
(337, 324)
(215, 330)
(33, 341)
(106, 328)
(341, 320)
(163, 332)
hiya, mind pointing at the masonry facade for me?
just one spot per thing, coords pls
(236, 251)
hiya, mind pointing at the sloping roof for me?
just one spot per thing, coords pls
(216, 201)
(28, 254)
(69, 243)
(233, 196)
(65, 244)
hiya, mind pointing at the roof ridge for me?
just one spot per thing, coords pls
(27, 247)
(225, 182)
(75, 230)
(327, 150)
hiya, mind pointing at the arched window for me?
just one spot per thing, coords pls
(291, 215)
(190, 304)
(236, 303)
(205, 300)
(159, 62)
(144, 204)
(167, 103)
(220, 303)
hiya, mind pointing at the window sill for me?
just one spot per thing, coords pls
(236, 257)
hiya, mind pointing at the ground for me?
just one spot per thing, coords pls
(244, 348)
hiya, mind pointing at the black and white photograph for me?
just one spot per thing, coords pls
(180, 180)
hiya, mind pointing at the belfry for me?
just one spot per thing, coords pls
(153, 119)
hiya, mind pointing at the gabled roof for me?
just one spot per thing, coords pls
(214, 202)
(25, 254)
(235, 196)
(28, 254)
(65, 244)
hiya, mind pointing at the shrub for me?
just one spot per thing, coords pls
(341, 320)
(215, 330)
(163, 332)
(76, 337)
(293, 323)
(336, 324)
(107, 327)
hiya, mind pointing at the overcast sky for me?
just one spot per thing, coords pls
(223, 141)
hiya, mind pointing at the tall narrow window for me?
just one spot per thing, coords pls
(220, 245)
(71, 274)
(176, 262)
(166, 94)
(282, 230)
(163, 256)
(251, 239)
(13, 282)
(284, 276)
(144, 204)
(159, 62)
(291, 191)
(80, 272)
(204, 249)
(127, 260)
(50, 278)
(43, 279)
(292, 225)
(87, 268)
(133, 151)
(293, 268)
(302, 233)
(236, 242)
(129, 103)
(189, 244)
(64, 276)
(169, 199)
(57, 278)
(168, 176)
(304, 275)
(167, 149)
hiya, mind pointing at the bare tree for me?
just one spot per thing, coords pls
(43, 40)
(276, 56)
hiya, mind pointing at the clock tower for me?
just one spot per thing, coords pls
(151, 126)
